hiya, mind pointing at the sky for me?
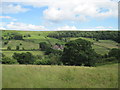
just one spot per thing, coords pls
(52, 15)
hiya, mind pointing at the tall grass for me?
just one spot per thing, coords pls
(33, 76)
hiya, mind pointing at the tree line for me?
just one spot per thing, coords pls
(10, 36)
(98, 35)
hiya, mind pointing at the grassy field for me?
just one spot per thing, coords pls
(33, 76)
(26, 45)
(100, 50)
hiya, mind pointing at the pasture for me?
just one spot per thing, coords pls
(29, 43)
(44, 76)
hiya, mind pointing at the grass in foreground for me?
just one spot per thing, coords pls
(33, 76)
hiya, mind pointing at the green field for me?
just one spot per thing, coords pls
(101, 47)
(26, 45)
(33, 76)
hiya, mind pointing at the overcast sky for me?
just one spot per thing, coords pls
(59, 15)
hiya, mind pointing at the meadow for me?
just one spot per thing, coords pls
(55, 76)
(44, 76)
(102, 47)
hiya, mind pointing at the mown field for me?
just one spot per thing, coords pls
(40, 76)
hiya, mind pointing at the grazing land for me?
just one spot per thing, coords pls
(32, 42)
(40, 76)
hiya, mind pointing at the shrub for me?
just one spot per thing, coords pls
(23, 48)
(24, 58)
(54, 59)
(9, 48)
(107, 60)
(29, 35)
(17, 47)
(114, 53)
(5, 43)
(39, 62)
(6, 60)
(51, 59)
(42, 62)
(38, 57)
(50, 50)
(44, 46)
(17, 36)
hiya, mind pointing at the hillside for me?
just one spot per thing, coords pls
(31, 40)
(102, 46)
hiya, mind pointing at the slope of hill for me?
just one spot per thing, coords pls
(102, 46)
(33, 38)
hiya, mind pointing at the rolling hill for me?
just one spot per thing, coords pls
(31, 40)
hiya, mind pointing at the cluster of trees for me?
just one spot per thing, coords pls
(114, 53)
(50, 59)
(43, 46)
(24, 58)
(5, 42)
(18, 58)
(78, 52)
(29, 58)
(28, 35)
(17, 48)
(98, 35)
(111, 57)
(7, 60)
(10, 36)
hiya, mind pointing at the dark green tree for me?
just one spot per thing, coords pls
(17, 48)
(23, 48)
(6, 42)
(44, 46)
(29, 35)
(20, 43)
(9, 48)
(17, 36)
(79, 52)
(7, 60)
(24, 58)
(114, 53)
